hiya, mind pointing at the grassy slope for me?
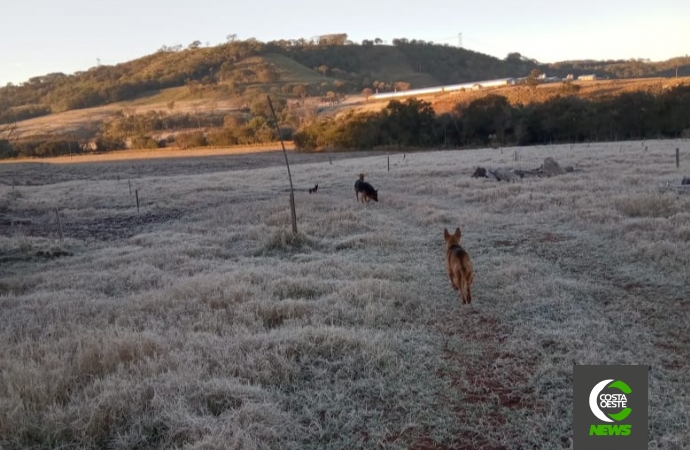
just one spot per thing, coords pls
(291, 71)
(389, 64)
(380, 63)
(199, 323)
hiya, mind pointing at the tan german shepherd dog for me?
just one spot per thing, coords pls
(459, 265)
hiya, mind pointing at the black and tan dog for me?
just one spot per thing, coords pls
(368, 192)
(459, 265)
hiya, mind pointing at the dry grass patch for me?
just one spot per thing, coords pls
(647, 205)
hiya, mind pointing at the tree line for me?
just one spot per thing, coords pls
(492, 120)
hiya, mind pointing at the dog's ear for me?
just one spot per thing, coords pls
(457, 233)
(446, 235)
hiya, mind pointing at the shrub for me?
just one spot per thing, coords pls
(190, 140)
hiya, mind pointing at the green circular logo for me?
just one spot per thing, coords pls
(611, 401)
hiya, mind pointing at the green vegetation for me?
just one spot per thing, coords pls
(492, 119)
(411, 123)
(452, 65)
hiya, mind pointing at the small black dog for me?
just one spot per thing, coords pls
(480, 173)
(368, 192)
(314, 189)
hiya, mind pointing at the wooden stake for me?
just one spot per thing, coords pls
(287, 164)
(136, 192)
(57, 214)
(677, 158)
(389, 162)
(293, 215)
(130, 186)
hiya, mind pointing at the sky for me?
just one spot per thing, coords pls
(44, 36)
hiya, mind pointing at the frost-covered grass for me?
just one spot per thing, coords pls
(201, 322)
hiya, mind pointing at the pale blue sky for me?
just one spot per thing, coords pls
(43, 36)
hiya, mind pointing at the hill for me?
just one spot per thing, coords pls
(196, 87)
(233, 67)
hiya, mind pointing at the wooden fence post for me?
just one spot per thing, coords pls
(136, 192)
(57, 214)
(292, 189)
(677, 158)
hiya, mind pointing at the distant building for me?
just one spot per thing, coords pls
(591, 77)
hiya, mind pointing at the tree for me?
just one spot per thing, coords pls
(300, 90)
(486, 116)
(195, 87)
(378, 41)
(194, 45)
(323, 69)
(331, 97)
(533, 78)
(6, 149)
(514, 56)
(568, 87)
(401, 86)
(225, 69)
(341, 86)
(267, 74)
(231, 37)
(367, 92)
(409, 123)
(232, 121)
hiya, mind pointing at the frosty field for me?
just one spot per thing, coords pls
(201, 323)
